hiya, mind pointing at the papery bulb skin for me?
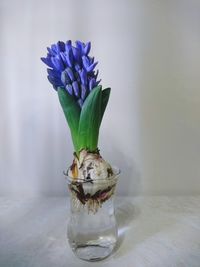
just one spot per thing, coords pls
(91, 179)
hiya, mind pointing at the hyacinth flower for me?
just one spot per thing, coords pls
(71, 71)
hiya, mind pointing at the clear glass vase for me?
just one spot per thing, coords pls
(92, 228)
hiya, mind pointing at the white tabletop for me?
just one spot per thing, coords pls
(154, 232)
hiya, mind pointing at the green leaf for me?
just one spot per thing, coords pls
(90, 119)
(72, 113)
(104, 102)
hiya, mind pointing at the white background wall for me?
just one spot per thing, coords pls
(148, 52)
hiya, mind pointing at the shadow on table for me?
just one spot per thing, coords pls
(145, 222)
(125, 213)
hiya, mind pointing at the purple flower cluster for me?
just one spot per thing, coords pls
(71, 68)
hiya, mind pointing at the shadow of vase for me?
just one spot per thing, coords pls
(125, 213)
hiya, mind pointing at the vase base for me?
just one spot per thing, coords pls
(93, 252)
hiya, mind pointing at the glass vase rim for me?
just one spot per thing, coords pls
(116, 173)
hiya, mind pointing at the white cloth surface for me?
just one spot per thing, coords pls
(153, 232)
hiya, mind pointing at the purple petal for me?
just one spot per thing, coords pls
(68, 45)
(77, 77)
(61, 46)
(54, 81)
(92, 84)
(83, 76)
(86, 62)
(47, 61)
(76, 54)
(80, 46)
(91, 67)
(49, 50)
(69, 58)
(65, 78)
(54, 49)
(76, 88)
(87, 48)
(64, 58)
(55, 63)
(83, 92)
(77, 67)
(54, 73)
(58, 64)
(68, 87)
(70, 74)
